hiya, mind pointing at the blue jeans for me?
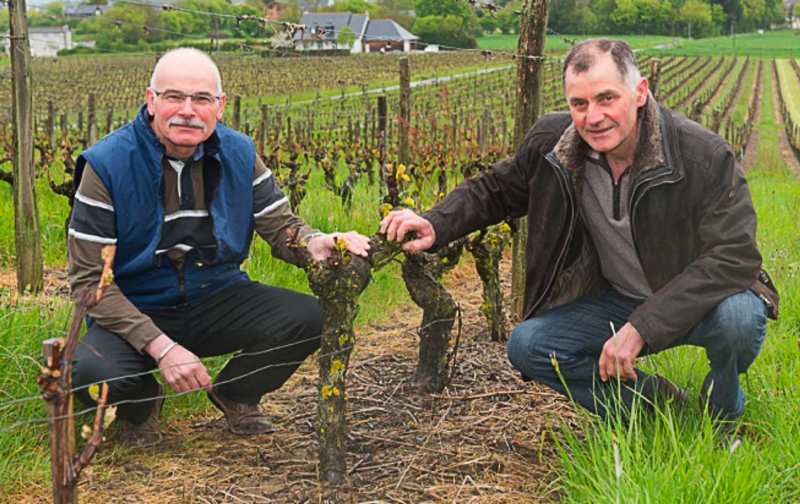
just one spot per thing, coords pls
(731, 334)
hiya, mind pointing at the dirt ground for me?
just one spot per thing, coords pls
(488, 437)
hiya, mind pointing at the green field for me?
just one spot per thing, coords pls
(771, 44)
(560, 43)
(774, 44)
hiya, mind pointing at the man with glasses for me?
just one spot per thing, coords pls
(180, 196)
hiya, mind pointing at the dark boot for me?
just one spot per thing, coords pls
(243, 419)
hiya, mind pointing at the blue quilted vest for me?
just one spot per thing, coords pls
(128, 161)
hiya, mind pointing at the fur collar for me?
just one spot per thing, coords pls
(572, 151)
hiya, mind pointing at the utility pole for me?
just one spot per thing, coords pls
(530, 51)
(26, 217)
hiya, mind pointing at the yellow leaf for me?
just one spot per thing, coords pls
(337, 366)
(408, 202)
(94, 391)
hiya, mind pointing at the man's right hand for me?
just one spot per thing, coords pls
(181, 369)
(399, 222)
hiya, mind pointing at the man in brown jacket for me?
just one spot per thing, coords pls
(642, 236)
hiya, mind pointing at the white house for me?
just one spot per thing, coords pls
(323, 31)
(46, 41)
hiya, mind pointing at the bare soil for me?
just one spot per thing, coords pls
(751, 149)
(488, 437)
(55, 284)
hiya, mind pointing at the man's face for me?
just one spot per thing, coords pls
(603, 107)
(181, 125)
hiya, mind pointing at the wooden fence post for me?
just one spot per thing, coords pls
(529, 79)
(91, 121)
(237, 112)
(655, 76)
(405, 111)
(26, 215)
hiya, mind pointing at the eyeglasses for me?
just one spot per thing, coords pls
(175, 97)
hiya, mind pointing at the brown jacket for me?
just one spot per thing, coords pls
(692, 219)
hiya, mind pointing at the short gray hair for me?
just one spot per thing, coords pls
(187, 51)
(584, 55)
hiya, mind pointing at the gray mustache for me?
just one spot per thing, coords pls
(192, 123)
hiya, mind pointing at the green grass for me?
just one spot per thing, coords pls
(558, 44)
(770, 44)
(676, 456)
(53, 211)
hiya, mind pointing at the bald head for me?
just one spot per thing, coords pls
(185, 61)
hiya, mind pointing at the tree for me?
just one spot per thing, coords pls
(51, 14)
(178, 22)
(355, 6)
(560, 16)
(345, 38)
(655, 16)
(443, 8)
(625, 16)
(696, 16)
(444, 30)
(121, 24)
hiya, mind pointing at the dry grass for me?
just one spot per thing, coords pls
(486, 438)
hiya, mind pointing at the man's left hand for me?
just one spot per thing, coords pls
(619, 354)
(322, 245)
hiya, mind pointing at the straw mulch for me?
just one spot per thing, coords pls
(488, 437)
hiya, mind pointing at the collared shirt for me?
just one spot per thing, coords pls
(604, 207)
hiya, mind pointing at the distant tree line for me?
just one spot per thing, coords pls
(698, 18)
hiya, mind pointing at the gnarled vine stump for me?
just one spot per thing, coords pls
(487, 249)
(422, 273)
(338, 281)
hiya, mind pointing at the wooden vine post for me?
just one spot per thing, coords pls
(655, 76)
(338, 282)
(26, 215)
(405, 112)
(530, 63)
(55, 382)
(91, 121)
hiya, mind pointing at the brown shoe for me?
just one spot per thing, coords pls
(147, 433)
(243, 419)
